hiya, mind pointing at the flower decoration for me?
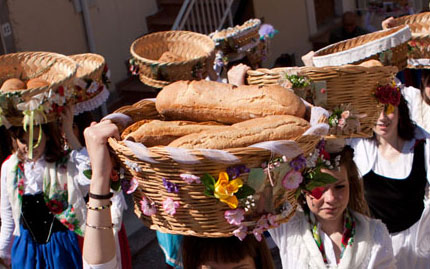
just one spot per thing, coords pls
(240, 232)
(133, 67)
(298, 81)
(267, 31)
(389, 95)
(226, 190)
(235, 217)
(257, 233)
(344, 120)
(188, 178)
(170, 187)
(147, 208)
(169, 205)
(292, 180)
(272, 220)
(132, 165)
(235, 171)
(129, 186)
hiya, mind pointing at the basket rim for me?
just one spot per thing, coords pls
(161, 33)
(34, 91)
(232, 32)
(83, 59)
(402, 34)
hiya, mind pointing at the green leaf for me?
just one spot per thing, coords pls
(209, 182)
(208, 193)
(256, 178)
(298, 192)
(244, 192)
(88, 173)
(320, 179)
(115, 185)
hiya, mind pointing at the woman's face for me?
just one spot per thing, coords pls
(335, 197)
(386, 125)
(23, 143)
(246, 263)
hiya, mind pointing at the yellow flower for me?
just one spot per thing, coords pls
(225, 189)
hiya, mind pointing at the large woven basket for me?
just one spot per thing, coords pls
(191, 49)
(90, 82)
(419, 52)
(197, 214)
(347, 84)
(388, 46)
(57, 69)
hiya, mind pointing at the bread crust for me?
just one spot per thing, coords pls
(243, 134)
(213, 101)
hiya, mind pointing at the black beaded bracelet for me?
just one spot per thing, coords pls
(101, 196)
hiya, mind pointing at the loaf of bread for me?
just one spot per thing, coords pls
(277, 127)
(12, 84)
(37, 83)
(213, 101)
(161, 133)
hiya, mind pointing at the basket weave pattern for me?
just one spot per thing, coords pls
(194, 48)
(197, 215)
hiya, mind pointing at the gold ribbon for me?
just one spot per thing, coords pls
(28, 120)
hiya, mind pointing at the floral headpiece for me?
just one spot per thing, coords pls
(389, 95)
(306, 174)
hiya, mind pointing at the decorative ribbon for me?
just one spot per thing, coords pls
(29, 120)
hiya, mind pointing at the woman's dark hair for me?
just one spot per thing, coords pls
(425, 81)
(54, 145)
(196, 251)
(356, 201)
(82, 121)
(406, 127)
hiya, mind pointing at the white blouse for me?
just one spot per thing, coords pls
(419, 110)
(372, 246)
(33, 174)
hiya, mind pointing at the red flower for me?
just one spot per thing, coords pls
(55, 206)
(114, 175)
(317, 192)
(61, 90)
(324, 154)
(388, 95)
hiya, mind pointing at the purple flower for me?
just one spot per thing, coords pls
(240, 232)
(235, 171)
(130, 186)
(257, 233)
(298, 163)
(292, 180)
(190, 178)
(169, 205)
(170, 187)
(234, 217)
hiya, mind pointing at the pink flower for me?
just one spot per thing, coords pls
(147, 208)
(190, 178)
(323, 90)
(240, 232)
(341, 122)
(257, 233)
(234, 217)
(133, 185)
(262, 223)
(170, 206)
(272, 220)
(292, 180)
(345, 114)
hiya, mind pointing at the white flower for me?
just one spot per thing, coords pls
(94, 86)
(132, 165)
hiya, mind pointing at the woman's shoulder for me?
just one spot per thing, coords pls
(375, 227)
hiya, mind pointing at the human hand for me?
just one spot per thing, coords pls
(388, 23)
(96, 137)
(236, 74)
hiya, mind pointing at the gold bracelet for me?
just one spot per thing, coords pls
(100, 227)
(97, 208)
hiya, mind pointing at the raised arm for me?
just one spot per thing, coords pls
(99, 244)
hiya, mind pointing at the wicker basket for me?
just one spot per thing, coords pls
(409, 19)
(197, 214)
(91, 76)
(388, 46)
(193, 50)
(264, 76)
(237, 39)
(57, 69)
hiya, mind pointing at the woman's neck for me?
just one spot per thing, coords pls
(332, 226)
(390, 142)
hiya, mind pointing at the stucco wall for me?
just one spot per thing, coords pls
(290, 19)
(56, 26)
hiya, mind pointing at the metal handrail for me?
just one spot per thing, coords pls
(204, 16)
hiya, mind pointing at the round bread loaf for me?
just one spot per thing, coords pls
(13, 84)
(37, 83)
(213, 101)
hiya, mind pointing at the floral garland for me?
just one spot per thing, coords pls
(344, 120)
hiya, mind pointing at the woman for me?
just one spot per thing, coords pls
(394, 165)
(419, 101)
(333, 231)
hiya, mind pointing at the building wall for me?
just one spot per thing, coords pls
(290, 19)
(56, 26)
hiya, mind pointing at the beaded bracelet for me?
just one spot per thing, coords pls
(97, 208)
(100, 227)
